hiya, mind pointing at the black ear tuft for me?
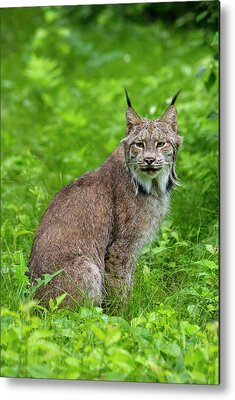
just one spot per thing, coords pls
(128, 99)
(175, 97)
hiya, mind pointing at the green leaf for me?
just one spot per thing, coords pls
(113, 335)
(171, 349)
(51, 304)
(60, 298)
(138, 321)
(98, 332)
(46, 279)
(188, 328)
(211, 265)
(123, 359)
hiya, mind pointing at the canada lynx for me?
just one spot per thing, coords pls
(95, 227)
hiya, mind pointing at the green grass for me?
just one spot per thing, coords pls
(63, 113)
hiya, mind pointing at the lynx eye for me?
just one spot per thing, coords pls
(160, 144)
(140, 145)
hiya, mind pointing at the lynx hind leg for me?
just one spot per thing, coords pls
(81, 280)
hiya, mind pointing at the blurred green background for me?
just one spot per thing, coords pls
(64, 69)
(63, 113)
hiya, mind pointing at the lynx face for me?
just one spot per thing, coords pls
(151, 147)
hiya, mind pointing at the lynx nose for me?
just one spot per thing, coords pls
(149, 159)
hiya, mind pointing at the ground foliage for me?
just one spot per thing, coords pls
(63, 109)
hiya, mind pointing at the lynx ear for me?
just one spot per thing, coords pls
(170, 115)
(132, 117)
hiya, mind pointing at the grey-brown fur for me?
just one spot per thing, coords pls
(95, 227)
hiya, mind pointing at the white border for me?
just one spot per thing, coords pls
(24, 389)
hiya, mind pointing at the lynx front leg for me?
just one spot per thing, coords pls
(119, 266)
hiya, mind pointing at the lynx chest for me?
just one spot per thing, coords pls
(138, 219)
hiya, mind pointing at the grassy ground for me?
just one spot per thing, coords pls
(63, 113)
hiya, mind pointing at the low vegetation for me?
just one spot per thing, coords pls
(63, 113)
